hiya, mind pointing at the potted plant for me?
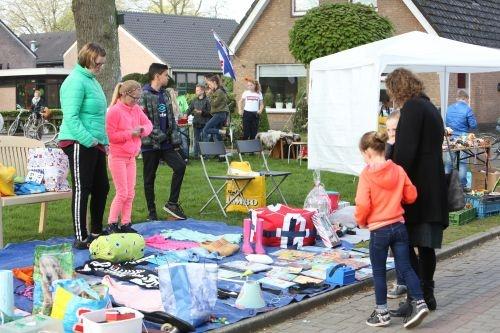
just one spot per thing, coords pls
(279, 101)
(269, 98)
(289, 103)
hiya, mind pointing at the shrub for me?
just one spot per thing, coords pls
(331, 28)
(141, 78)
(269, 98)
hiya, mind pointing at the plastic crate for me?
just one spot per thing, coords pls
(463, 216)
(486, 205)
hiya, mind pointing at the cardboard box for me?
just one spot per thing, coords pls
(478, 177)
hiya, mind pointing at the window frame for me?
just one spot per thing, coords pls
(298, 13)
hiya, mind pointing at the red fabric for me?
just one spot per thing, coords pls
(24, 274)
(382, 189)
(290, 227)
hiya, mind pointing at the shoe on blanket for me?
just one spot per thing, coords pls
(85, 243)
(127, 228)
(221, 246)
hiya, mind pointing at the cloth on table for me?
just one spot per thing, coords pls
(189, 255)
(159, 242)
(125, 272)
(196, 236)
(134, 296)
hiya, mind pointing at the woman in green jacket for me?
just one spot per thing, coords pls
(218, 108)
(83, 138)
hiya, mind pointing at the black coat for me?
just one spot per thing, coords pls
(418, 149)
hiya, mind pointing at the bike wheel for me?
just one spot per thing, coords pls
(13, 127)
(46, 132)
(495, 150)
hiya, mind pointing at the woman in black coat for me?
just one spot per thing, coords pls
(418, 149)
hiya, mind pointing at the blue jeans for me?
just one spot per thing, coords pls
(462, 166)
(198, 132)
(394, 236)
(214, 125)
(184, 141)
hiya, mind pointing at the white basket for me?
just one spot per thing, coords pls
(94, 322)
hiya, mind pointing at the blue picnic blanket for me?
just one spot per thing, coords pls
(21, 254)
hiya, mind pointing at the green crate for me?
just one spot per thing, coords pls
(463, 216)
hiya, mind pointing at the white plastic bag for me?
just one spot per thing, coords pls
(318, 198)
(345, 217)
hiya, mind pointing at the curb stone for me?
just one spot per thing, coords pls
(293, 309)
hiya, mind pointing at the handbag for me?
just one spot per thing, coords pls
(456, 197)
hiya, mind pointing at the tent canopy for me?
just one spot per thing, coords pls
(344, 90)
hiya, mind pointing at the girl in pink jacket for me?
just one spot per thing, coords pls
(126, 123)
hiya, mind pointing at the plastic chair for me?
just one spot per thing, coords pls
(208, 149)
(255, 146)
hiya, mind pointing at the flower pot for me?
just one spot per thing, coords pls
(289, 105)
(279, 105)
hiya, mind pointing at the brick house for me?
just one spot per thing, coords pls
(261, 45)
(184, 43)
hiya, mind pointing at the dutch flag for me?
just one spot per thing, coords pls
(225, 59)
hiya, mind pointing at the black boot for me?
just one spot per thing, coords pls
(404, 309)
(428, 290)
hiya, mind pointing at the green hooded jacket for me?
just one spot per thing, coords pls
(83, 105)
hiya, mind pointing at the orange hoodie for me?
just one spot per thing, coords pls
(381, 191)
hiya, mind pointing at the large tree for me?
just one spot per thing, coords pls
(96, 21)
(331, 28)
(28, 16)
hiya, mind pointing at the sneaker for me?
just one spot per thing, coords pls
(399, 290)
(127, 228)
(152, 216)
(112, 228)
(83, 244)
(378, 319)
(404, 310)
(419, 311)
(175, 210)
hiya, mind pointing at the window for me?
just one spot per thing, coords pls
(49, 88)
(300, 7)
(366, 2)
(186, 82)
(282, 82)
(462, 79)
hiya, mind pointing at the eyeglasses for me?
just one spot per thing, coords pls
(99, 64)
(136, 99)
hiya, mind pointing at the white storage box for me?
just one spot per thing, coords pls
(94, 322)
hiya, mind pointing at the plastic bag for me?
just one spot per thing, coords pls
(318, 198)
(189, 291)
(52, 263)
(7, 180)
(345, 217)
(326, 230)
(254, 193)
(72, 295)
(49, 166)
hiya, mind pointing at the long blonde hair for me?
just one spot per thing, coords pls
(123, 88)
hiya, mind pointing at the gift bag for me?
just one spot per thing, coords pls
(317, 197)
(254, 193)
(53, 262)
(189, 291)
(118, 247)
(72, 295)
(48, 166)
(285, 226)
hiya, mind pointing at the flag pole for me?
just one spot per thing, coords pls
(227, 47)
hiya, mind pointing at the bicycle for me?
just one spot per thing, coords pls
(494, 140)
(35, 127)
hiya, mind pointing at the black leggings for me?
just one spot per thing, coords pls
(424, 264)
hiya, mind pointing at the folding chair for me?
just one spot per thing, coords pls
(208, 149)
(255, 146)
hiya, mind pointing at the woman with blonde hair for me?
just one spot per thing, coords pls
(418, 149)
(83, 138)
(126, 124)
(250, 107)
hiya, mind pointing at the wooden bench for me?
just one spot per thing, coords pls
(14, 152)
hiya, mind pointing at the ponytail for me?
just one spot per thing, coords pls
(116, 94)
(124, 88)
(373, 140)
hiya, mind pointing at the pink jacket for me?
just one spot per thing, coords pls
(121, 120)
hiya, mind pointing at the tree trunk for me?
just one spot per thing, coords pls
(95, 21)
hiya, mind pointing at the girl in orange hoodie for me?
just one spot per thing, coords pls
(383, 186)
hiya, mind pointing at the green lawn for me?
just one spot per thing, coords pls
(20, 222)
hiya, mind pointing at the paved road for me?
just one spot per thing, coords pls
(468, 295)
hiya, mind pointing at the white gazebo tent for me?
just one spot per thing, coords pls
(344, 90)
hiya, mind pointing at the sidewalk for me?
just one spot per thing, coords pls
(467, 291)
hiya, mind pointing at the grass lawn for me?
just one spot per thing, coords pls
(20, 222)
